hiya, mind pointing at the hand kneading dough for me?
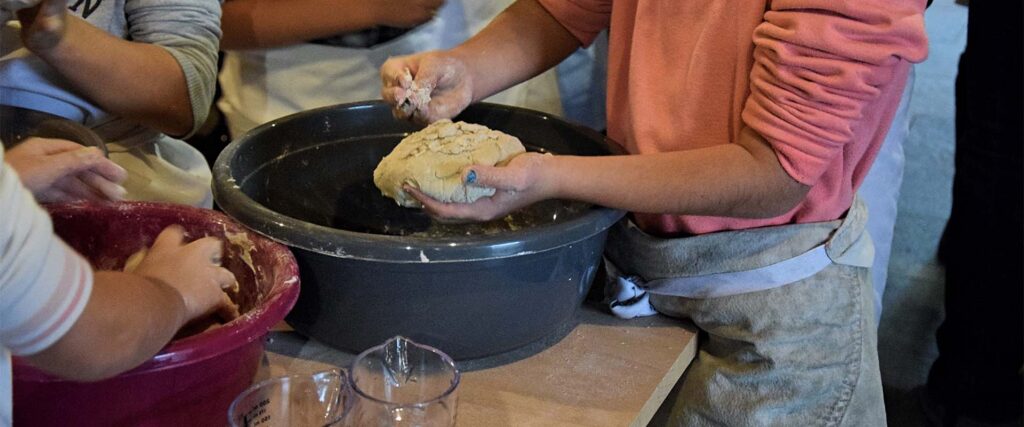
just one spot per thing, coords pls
(413, 98)
(432, 159)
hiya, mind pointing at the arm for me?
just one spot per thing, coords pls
(131, 316)
(126, 87)
(738, 180)
(128, 319)
(164, 78)
(256, 24)
(521, 42)
(836, 59)
(743, 180)
(68, 321)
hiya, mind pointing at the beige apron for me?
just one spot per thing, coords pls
(786, 313)
(730, 262)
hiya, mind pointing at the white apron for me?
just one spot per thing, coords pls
(262, 85)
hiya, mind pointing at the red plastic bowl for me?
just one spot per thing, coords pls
(192, 381)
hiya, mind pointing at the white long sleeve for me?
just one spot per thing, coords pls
(44, 284)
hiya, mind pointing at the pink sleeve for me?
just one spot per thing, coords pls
(818, 65)
(585, 19)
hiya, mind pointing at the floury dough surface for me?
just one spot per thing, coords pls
(432, 161)
(415, 97)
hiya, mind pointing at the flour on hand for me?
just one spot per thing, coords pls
(415, 96)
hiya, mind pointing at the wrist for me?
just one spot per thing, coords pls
(464, 59)
(549, 174)
(51, 45)
(175, 300)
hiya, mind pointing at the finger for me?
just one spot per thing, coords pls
(478, 210)
(224, 278)
(69, 163)
(417, 194)
(103, 187)
(210, 247)
(481, 210)
(431, 72)
(79, 190)
(226, 309)
(397, 96)
(394, 69)
(54, 195)
(430, 204)
(393, 95)
(172, 237)
(497, 177)
(47, 145)
(110, 171)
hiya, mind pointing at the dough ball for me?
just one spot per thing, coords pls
(432, 159)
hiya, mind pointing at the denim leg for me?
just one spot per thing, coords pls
(803, 354)
(880, 190)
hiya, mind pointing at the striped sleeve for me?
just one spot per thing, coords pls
(44, 284)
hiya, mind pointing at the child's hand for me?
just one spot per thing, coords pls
(43, 26)
(518, 184)
(55, 170)
(405, 13)
(192, 269)
(445, 76)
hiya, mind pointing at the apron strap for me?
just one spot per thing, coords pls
(628, 296)
(788, 271)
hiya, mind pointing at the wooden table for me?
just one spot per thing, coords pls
(605, 372)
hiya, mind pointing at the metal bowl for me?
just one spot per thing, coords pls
(306, 181)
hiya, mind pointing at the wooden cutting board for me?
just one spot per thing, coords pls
(605, 372)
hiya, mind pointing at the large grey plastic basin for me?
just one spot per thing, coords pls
(306, 181)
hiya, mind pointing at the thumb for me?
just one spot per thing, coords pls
(431, 71)
(498, 177)
(172, 236)
(393, 71)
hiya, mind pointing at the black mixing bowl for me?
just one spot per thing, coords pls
(371, 269)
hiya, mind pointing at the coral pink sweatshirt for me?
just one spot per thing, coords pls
(819, 79)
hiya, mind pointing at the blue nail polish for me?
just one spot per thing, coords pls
(471, 177)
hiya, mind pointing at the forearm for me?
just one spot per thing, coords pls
(128, 319)
(521, 42)
(736, 180)
(137, 81)
(254, 24)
